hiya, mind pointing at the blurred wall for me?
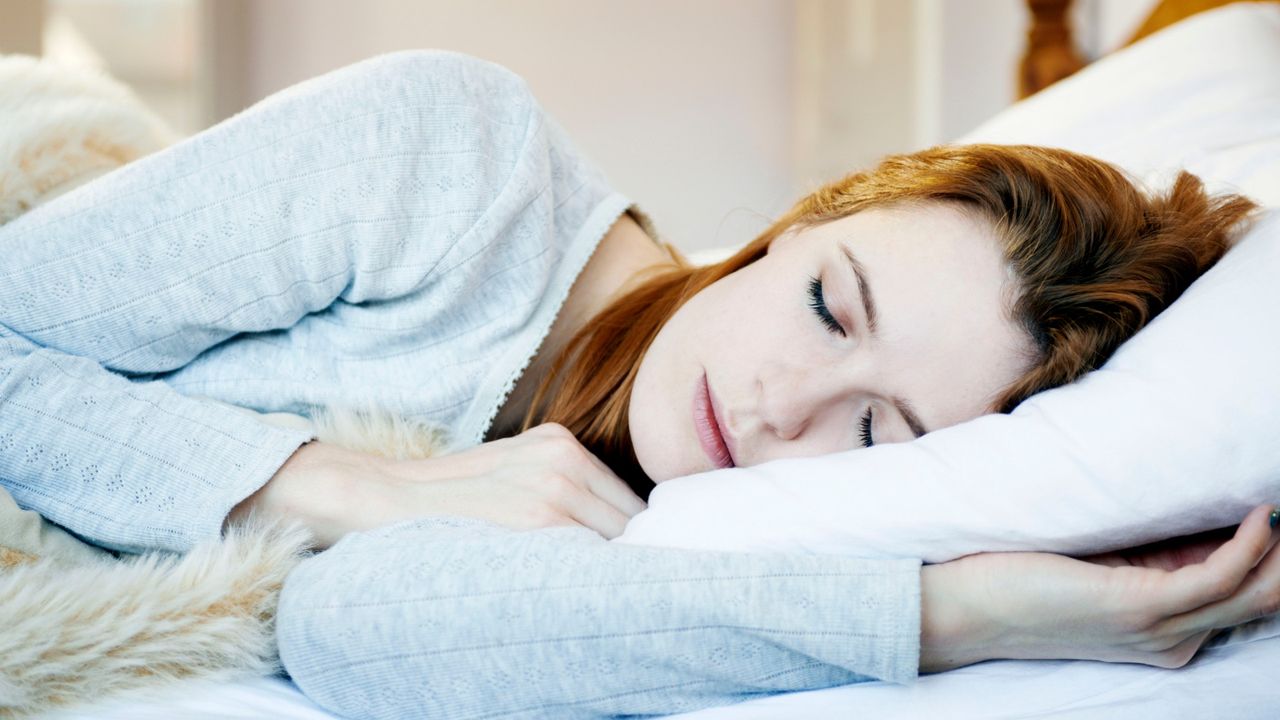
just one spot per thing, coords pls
(714, 115)
(21, 22)
(686, 105)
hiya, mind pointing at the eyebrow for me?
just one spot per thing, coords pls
(864, 288)
(869, 307)
(909, 414)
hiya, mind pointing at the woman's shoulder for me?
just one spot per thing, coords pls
(445, 75)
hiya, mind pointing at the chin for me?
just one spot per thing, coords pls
(665, 467)
(658, 472)
(655, 457)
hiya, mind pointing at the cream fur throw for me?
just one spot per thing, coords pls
(77, 623)
(60, 127)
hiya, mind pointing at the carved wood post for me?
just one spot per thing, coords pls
(1051, 54)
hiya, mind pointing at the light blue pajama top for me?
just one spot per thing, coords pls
(401, 231)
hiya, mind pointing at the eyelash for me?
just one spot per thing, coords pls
(864, 430)
(820, 309)
(819, 306)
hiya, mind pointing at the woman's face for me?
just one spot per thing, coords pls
(798, 354)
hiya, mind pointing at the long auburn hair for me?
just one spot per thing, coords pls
(1096, 259)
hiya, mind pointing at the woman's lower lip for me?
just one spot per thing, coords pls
(704, 423)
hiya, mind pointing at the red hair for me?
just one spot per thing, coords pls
(1095, 257)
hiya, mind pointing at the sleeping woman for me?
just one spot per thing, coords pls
(412, 232)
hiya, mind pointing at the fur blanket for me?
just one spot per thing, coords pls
(62, 127)
(78, 623)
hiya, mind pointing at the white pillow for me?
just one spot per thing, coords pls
(1179, 432)
(1204, 95)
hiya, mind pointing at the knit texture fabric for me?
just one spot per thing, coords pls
(462, 619)
(399, 233)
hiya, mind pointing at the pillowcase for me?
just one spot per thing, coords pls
(1179, 432)
(1204, 95)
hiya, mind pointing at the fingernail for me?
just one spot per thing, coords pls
(1275, 517)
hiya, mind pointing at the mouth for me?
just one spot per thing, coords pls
(710, 432)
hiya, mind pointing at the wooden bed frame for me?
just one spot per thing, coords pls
(1051, 52)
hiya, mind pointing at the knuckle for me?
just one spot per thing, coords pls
(1222, 587)
(544, 516)
(1270, 601)
(560, 486)
(566, 450)
(552, 429)
(1258, 546)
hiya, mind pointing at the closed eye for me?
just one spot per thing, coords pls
(864, 430)
(819, 306)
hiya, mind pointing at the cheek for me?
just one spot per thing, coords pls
(766, 316)
(705, 333)
(657, 396)
(740, 324)
(705, 327)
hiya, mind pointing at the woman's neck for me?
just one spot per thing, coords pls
(623, 254)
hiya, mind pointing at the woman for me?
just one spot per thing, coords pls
(412, 231)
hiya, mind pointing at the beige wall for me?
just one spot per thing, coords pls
(713, 114)
(21, 22)
(686, 105)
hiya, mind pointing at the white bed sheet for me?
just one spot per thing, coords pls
(1238, 679)
(268, 698)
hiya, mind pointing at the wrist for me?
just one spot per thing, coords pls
(318, 487)
(956, 626)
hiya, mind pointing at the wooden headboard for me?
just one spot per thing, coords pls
(1051, 52)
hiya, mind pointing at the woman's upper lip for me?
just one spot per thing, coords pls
(729, 443)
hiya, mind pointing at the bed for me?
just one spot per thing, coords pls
(1229, 679)
(1223, 123)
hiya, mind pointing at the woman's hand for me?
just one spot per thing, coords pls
(1156, 609)
(540, 478)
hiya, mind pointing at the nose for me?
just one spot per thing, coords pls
(794, 398)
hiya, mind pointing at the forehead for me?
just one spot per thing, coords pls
(947, 340)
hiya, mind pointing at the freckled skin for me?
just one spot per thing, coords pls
(788, 387)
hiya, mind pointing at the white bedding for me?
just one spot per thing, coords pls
(257, 699)
(1235, 679)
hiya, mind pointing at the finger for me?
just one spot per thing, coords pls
(606, 485)
(590, 511)
(596, 475)
(1181, 654)
(1222, 573)
(1258, 596)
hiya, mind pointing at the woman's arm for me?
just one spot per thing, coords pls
(540, 478)
(350, 187)
(446, 617)
(1157, 607)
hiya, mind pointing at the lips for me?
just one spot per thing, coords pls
(707, 424)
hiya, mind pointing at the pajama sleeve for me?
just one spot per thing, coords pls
(458, 618)
(352, 187)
